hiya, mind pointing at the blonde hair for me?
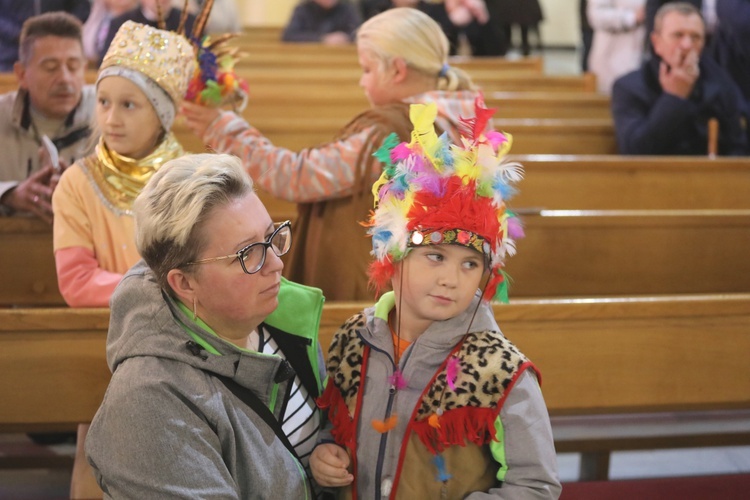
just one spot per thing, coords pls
(171, 210)
(416, 38)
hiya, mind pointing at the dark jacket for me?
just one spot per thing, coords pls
(13, 13)
(310, 22)
(732, 46)
(171, 21)
(732, 41)
(521, 12)
(649, 121)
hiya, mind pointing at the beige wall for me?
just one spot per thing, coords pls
(266, 12)
(559, 28)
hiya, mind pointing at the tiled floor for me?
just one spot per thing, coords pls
(561, 61)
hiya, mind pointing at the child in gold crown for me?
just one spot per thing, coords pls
(425, 396)
(140, 84)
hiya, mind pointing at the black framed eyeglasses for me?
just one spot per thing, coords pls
(253, 256)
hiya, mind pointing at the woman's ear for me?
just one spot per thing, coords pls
(182, 284)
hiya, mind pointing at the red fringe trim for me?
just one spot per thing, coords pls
(343, 430)
(468, 423)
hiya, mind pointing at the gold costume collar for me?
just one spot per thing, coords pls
(120, 179)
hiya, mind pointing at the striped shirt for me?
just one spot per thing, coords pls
(301, 419)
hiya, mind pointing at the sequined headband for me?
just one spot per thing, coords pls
(424, 237)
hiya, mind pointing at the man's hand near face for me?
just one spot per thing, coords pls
(678, 73)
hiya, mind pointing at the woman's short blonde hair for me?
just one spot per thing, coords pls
(416, 38)
(171, 210)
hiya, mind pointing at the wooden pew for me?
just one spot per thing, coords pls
(631, 252)
(267, 55)
(317, 101)
(310, 102)
(619, 361)
(613, 182)
(530, 136)
(271, 102)
(261, 33)
(27, 263)
(345, 83)
(335, 75)
(564, 254)
(667, 248)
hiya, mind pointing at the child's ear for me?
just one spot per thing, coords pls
(400, 70)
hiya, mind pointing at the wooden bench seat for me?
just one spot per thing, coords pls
(270, 55)
(272, 102)
(260, 33)
(634, 364)
(346, 85)
(584, 253)
(602, 251)
(530, 136)
(612, 182)
(598, 253)
(335, 75)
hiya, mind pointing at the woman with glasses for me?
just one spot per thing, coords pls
(214, 356)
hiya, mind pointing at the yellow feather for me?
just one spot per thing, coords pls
(378, 184)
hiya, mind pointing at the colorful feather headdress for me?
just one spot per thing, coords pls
(434, 192)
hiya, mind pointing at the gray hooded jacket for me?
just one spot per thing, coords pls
(168, 427)
(528, 447)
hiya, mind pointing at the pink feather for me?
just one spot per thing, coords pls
(452, 371)
(400, 152)
(397, 380)
(515, 229)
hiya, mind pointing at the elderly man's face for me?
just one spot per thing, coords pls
(53, 75)
(678, 35)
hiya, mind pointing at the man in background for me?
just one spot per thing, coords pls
(664, 107)
(51, 101)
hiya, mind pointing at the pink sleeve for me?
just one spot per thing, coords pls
(81, 281)
(313, 174)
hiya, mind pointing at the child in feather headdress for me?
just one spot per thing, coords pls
(425, 397)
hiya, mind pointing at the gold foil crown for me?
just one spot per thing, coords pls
(164, 56)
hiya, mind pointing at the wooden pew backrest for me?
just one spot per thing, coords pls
(632, 354)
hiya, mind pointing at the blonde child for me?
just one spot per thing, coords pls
(404, 59)
(426, 398)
